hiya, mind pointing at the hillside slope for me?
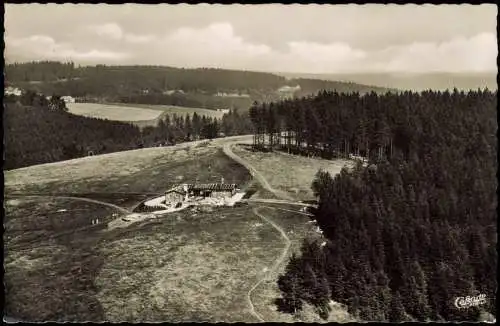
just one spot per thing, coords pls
(203, 87)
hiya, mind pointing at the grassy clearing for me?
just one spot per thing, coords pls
(142, 115)
(149, 170)
(169, 110)
(189, 266)
(173, 109)
(112, 112)
(290, 173)
(49, 272)
(186, 266)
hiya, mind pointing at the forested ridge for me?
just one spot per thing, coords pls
(37, 130)
(413, 229)
(129, 84)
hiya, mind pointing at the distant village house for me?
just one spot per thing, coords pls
(68, 99)
(288, 91)
(224, 94)
(173, 91)
(223, 110)
(13, 91)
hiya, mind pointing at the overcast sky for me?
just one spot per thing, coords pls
(285, 38)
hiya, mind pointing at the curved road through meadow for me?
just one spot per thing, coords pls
(88, 200)
(118, 208)
(280, 194)
(284, 199)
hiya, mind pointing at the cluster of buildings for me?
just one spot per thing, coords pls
(173, 91)
(187, 192)
(16, 91)
(224, 94)
(66, 99)
(287, 91)
(13, 91)
(223, 110)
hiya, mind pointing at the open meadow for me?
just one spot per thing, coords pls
(142, 115)
(291, 174)
(174, 109)
(112, 112)
(147, 170)
(199, 264)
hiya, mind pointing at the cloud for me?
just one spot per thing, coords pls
(477, 53)
(136, 38)
(113, 31)
(108, 30)
(216, 39)
(219, 45)
(43, 47)
(317, 57)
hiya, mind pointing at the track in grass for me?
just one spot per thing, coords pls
(277, 263)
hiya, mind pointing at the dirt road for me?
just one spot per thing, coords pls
(277, 263)
(279, 201)
(284, 199)
(118, 208)
(280, 194)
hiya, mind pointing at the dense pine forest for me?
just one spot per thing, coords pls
(413, 229)
(37, 130)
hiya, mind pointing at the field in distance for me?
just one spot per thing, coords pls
(140, 114)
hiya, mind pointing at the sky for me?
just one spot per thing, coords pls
(275, 38)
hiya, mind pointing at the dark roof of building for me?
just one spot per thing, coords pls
(213, 186)
(203, 187)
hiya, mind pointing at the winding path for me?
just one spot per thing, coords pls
(120, 209)
(280, 194)
(284, 199)
(279, 201)
(60, 234)
(277, 263)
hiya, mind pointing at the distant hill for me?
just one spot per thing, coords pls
(309, 85)
(416, 82)
(165, 85)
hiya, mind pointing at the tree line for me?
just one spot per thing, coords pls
(415, 229)
(38, 130)
(374, 126)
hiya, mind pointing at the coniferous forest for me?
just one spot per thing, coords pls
(37, 130)
(413, 229)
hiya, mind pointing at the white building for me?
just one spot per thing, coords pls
(173, 91)
(288, 89)
(68, 99)
(13, 91)
(224, 94)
